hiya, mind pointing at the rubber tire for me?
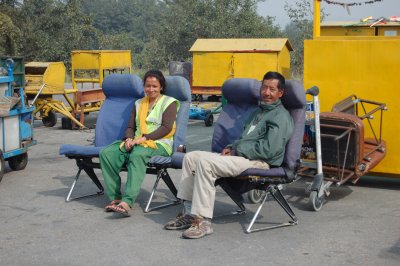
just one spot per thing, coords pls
(50, 120)
(255, 196)
(66, 123)
(1, 165)
(197, 98)
(18, 162)
(209, 120)
(314, 202)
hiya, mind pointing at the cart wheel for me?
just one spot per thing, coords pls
(255, 195)
(50, 120)
(66, 123)
(314, 202)
(1, 165)
(18, 162)
(209, 120)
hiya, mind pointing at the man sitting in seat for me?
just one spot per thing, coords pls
(261, 145)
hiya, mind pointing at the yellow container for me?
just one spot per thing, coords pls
(216, 60)
(91, 66)
(49, 74)
(356, 28)
(365, 66)
(343, 28)
(389, 29)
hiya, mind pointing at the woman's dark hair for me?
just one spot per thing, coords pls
(278, 76)
(154, 73)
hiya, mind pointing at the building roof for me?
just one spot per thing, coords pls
(241, 45)
(360, 23)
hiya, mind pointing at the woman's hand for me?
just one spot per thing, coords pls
(129, 143)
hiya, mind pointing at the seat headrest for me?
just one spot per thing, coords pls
(294, 96)
(241, 90)
(123, 85)
(178, 87)
(247, 91)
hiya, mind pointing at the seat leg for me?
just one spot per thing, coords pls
(162, 173)
(92, 175)
(95, 180)
(280, 199)
(236, 197)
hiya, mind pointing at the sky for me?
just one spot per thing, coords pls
(385, 8)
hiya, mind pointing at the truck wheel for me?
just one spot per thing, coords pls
(50, 120)
(66, 123)
(1, 165)
(18, 162)
(209, 120)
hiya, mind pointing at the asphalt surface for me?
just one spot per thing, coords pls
(358, 225)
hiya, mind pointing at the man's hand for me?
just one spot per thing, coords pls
(226, 152)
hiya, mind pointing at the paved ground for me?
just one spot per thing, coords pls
(359, 225)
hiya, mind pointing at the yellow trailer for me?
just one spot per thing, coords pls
(366, 66)
(43, 80)
(216, 60)
(89, 67)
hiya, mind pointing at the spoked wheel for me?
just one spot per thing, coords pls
(50, 120)
(316, 202)
(255, 195)
(209, 120)
(18, 162)
(1, 165)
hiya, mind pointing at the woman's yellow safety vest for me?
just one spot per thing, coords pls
(154, 119)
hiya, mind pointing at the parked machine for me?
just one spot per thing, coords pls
(16, 122)
(88, 70)
(202, 112)
(44, 81)
(343, 145)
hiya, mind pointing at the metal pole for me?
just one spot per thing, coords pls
(317, 19)
(37, 95)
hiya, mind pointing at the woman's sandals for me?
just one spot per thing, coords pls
(122, 208)
(111, 205)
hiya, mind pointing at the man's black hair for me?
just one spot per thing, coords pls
(278, 76)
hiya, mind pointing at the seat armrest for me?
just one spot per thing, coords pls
(177, 159)
(159, 161)
(77, 150)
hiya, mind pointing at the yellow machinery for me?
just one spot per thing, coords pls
(236, 58)
(89, 67)
(43, 80)
(366, 66)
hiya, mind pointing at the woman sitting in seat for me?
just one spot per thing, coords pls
(150, 132)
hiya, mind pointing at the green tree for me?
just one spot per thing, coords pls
(125, 24)
(299, 29)
(9, 35)
(52, 29)
(187, 20)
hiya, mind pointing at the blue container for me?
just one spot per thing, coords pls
(16, 124)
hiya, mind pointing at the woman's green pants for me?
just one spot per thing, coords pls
(112, 159)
